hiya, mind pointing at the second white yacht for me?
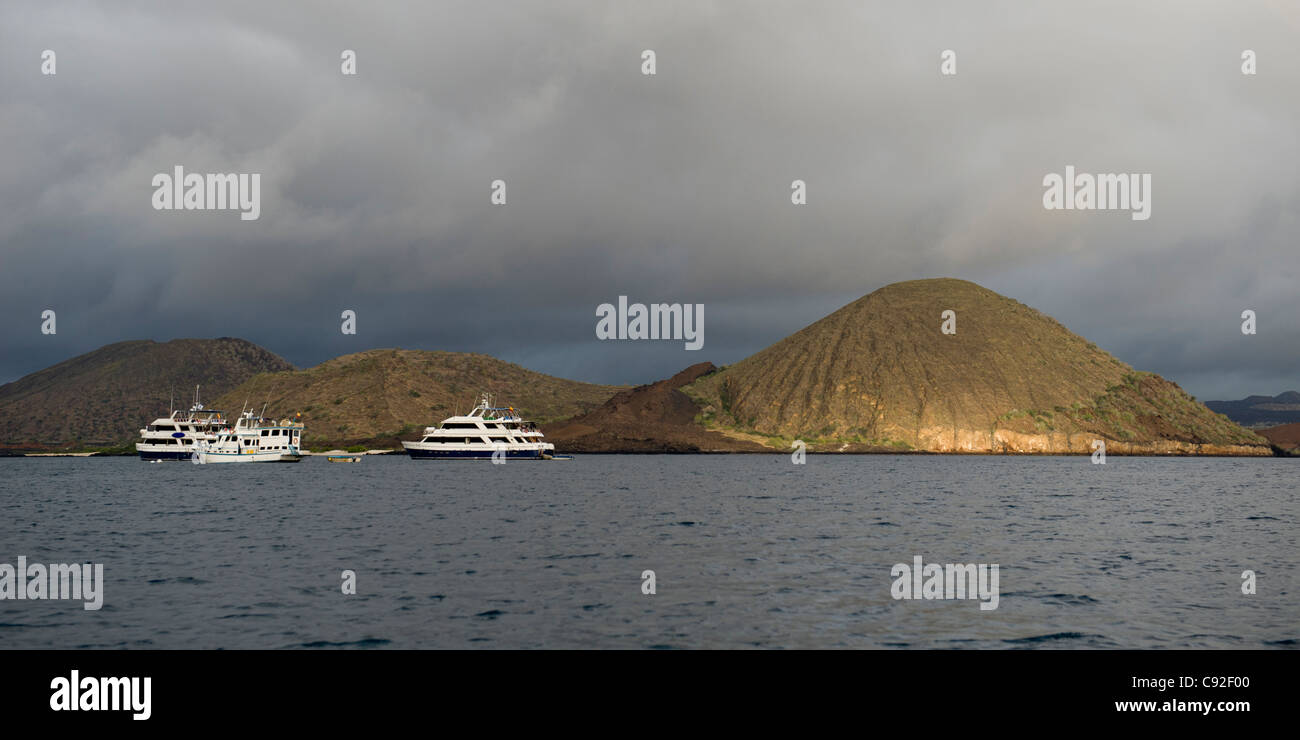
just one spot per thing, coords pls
(174, 437)
(479, 435)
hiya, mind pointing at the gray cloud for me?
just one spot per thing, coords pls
(670, 188)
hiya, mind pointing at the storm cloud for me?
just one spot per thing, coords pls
(667, 188)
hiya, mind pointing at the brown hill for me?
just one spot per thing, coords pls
(881, 373)
(649, 418)
(104, 397)
(1286, 438)
(377, 398)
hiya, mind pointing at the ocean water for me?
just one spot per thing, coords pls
(748, 552)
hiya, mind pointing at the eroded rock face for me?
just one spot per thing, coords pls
(1059, 443)
(649, 418)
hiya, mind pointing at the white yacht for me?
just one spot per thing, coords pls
(253, 439)
(481, 433)
(174, 437)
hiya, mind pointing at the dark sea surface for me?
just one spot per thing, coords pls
(748, 551)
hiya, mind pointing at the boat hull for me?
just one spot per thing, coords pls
(208, 458)
(167, 455)
(428, 454)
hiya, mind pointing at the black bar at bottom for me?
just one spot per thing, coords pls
(489, 690)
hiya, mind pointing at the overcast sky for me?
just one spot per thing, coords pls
(667, 188)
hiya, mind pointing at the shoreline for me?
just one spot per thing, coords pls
(1274, 453)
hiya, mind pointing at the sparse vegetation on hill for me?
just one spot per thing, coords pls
(376, 398)
(1144, 407)
(880, 374)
